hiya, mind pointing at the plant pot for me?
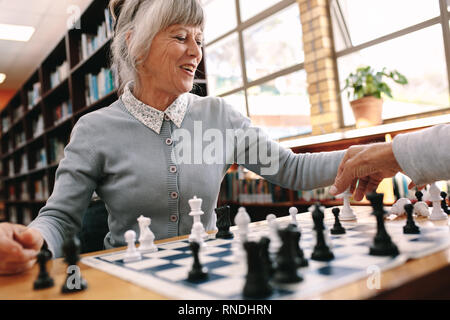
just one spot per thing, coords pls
(367, 111)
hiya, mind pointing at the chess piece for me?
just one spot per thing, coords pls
(43, 280)
(435, 197)
(223, 223)
(293, 211)
(131, 254)
(197, 235)
(382, 245)
(347, 212)
(196, 212)
(421, 207)
(74, 281)
(242, 220)
(410, 227)
(146, 236)
(321, 250)
(286, 268)
(337, 227)
(399, 207)
(299, 258)
(444, 202)
(419, 195)
(257, 280)
(266, 259)
(275, 242)
(198, 272)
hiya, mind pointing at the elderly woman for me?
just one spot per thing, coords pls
(129, 152)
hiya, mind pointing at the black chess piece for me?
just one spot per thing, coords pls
(198, 272)
(321, 250)
(286, 268)
(74, 281)
(444, 202)
(300, 259)
(266, 260)
(337, 227)
(382, 245)
(257, 284)
(419, 195)
(410, 227)
(43, 280)
(223, 223)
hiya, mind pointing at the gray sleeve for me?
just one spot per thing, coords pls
(75, 182)
(267, 158)
(424, 155)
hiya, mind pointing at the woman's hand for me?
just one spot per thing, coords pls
(19, 246)
(369, 164)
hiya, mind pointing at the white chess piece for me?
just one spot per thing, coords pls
(293, 211)
(196, 211)
(197, 232)
(146, 236)
(421, 209)
(399, 207)
(275, 241)
(242, 220)
(435, 197)
(131, 254)
(346, 213)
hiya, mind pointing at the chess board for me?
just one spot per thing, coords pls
(165, 271)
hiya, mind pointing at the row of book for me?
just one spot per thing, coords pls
(15, 218)
(34, 95)
(41, 158)
(18, 113)
(6, 123)
(61, 73)
(91, 42)
(20, 139)
(37, 126)
(62, 112)
(21, 193)
(98, 85)
(56, 150)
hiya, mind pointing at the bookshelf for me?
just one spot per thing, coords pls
(74, 79)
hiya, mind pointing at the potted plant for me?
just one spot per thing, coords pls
(366, 87)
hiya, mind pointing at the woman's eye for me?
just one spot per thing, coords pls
(179, 38)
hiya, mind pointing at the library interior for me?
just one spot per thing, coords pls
(348, 95)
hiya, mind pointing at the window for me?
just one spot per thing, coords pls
(403, 35)
(256, 64)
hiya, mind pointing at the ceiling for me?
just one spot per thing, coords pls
(18, 60)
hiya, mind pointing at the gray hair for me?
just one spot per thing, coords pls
(136, 24)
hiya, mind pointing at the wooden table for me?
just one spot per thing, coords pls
(428, 277)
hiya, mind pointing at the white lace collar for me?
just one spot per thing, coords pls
(151, 117)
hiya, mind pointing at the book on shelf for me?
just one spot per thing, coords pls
(13, 218)
(18, 113)
(24, 195)
(12, 192)
(6, 123)
(62, 112)
(56, 150)
(61, 73)
(34, 95)
(98, 85)
(23, 163)
(27, 216)
(91, 42)
(41, 189)
(37, 126)
(11, 167)
(41, 160)
(20, 139)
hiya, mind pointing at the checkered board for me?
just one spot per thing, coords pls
(165, 271)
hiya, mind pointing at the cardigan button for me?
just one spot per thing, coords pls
(173, 169)
(174, 195)
(166, 117)
(169, 141)
(173, 218)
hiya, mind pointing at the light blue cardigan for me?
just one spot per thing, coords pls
(131, 168)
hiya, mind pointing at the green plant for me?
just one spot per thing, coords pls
(366, 82)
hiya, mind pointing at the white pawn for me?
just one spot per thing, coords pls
(293, 211)
(435, 197)
(131, 254)
(275, 241)
(146, 236)
(399, 207)
(242, 220)
(421, 209)
(347, 211)
(197, 235)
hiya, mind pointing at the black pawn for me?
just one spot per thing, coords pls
(410, 227)
(382, 245)
(300, 259)
(266, 260)
(223, 223)
(286, 268)
(444, 202)
(198, 272)
(43, 280)
(321, 250)
(257, 284)
(337, 227)
(419, 195)
(74, 281)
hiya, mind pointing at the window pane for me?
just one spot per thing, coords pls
(274, 43)
(367, 20)
(220, 17)
(223, 65)
(281, 106)
(420, 57)
(248, 8)
(237, 100)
